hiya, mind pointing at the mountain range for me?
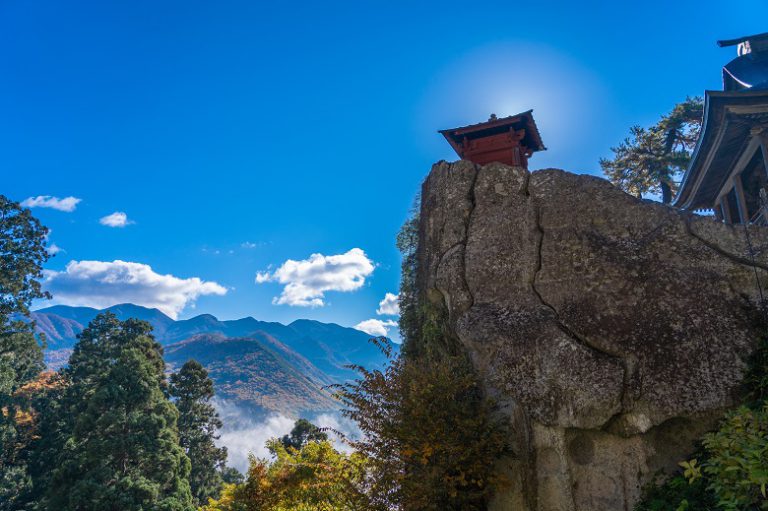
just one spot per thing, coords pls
(265, 366)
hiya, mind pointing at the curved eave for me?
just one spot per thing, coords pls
(687, 188)
(719, 145)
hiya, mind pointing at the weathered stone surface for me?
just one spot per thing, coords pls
(616, 329)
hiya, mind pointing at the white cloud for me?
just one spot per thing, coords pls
(376, 327)
(67, 204)
(306, 282)
(389, 306)
(54, 249)
(102, 284)
(116, 219)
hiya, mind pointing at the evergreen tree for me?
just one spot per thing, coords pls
(49, 433)
(22, 254)
(123, 452)
(303, 432)
(198, 424)
(653, 159)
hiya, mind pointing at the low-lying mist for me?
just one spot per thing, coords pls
(245, 431)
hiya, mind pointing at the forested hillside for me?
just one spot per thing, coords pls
(264, 366)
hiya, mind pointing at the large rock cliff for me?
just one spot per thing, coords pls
(613, 331)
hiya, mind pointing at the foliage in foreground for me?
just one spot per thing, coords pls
(312, 477)
(122, 451)
(652, 159)
(429, 433)
(22, 255)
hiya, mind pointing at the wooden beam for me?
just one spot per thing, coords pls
(746, 156)
(764, 149)
(741, 199)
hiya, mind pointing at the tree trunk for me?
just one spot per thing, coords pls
(666, 192)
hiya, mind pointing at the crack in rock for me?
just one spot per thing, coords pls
(733, 257)
(562, 326)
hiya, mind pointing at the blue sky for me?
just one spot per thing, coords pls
(238, 135)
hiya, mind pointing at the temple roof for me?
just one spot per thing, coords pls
(750, 69)
(523, 120)
(729, 116)
(757, 38)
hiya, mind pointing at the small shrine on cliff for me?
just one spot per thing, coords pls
(510, 140)
(728, 171)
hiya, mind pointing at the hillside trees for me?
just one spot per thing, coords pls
(652, 159)
(198, 424)
(122, 451)
(22, 254)
(303, 432)
(312, 477)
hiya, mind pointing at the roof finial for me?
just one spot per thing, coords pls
(492, 117)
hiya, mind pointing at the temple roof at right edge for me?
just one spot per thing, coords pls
(728, 118)
(733, 42)
(749, 70)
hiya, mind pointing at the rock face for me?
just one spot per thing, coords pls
(614, 331)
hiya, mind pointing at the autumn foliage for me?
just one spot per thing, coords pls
(429, 433)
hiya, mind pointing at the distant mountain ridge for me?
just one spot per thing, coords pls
(256, 373)
(263, 364)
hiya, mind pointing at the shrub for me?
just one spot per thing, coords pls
(677, 494)
(430, 434)
(738, 460)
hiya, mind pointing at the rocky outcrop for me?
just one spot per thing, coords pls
(614, 331)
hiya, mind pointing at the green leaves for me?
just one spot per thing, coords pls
(691, 470)
(738, 459)
(315, 477)
(22, 254)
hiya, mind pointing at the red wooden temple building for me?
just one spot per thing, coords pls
(510, 140)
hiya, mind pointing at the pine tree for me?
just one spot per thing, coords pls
(652, 159)
(123, 452)
(198, 424)
(22, 254)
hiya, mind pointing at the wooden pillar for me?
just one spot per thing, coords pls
(764, 149)
(726, 207)
(741, 199)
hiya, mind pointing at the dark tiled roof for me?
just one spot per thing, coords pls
(739, 40)
(747, 71)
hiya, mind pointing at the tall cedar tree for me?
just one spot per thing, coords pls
(22, 255)
(652, 159)
(198, 424)
(123, 450)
